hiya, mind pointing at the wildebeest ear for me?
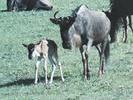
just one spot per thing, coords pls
(25, 45)
(55, 21)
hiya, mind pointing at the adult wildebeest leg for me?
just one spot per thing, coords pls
(85, 62)
(104, 55)
(10, 5)
(36, 71)
(84, 52)
(98, 49)
(130, 23)
(101, 53)
(125, 27)
(102, 58)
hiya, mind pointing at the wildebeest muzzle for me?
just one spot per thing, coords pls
(66, 46)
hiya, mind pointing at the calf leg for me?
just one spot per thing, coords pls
(36, 72)
(59, 64)
(61, 72)
(52, 74)
(54, 64)
(45, 68)
(53, 69)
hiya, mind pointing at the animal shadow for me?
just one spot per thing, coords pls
(27, 82)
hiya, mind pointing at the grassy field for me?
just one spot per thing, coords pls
(17, 72)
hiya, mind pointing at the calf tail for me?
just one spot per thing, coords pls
(107, 51)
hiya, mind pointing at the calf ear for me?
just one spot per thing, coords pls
(25, 45)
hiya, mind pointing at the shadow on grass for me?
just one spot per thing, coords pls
(27, 82)
(4, 11)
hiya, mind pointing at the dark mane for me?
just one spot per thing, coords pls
(74, 12)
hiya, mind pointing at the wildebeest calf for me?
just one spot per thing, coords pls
(44, 50)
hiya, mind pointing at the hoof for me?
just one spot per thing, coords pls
(63, 80)
(124, 41)
(35, 83)
(112, 40)
(50, 82)
(100, 74)
(86, 78)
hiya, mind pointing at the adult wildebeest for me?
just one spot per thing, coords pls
(83, 29)
(27, 5)
(124, 21)
(119, 9)
(44, 50)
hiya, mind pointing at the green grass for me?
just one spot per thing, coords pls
(17, 72)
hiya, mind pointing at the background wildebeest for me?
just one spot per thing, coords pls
(83, 29)
(19, 5)
(125, 21)
(119, 9)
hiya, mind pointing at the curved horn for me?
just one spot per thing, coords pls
(56, 14)
(70, 17)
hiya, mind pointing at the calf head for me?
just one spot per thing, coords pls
(64, 23)
(37, 50)
(30, 48)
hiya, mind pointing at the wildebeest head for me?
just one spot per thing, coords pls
(18, 5)
(65, 23)
(30, 48)
(44, 4)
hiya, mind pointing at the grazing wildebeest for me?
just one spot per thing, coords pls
(44, 50)
(83, 29)
(124, 21)
(119, 9)
(18, 5)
